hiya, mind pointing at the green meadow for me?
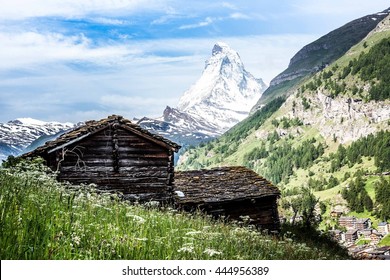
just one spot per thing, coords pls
(44, 219)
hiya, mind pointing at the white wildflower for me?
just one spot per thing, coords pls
(193, 232)
(141, 239)
(136, 218)
(76, 240)
(152, 204)
(186, 249)
(212, 252)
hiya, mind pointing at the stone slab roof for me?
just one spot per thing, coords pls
(221, 184)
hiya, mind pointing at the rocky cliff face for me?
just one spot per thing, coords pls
(343, 119)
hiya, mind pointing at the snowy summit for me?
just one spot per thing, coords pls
(225, 92)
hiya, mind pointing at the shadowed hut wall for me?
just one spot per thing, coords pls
(262, 211)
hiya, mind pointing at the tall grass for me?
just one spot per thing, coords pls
(44, 219)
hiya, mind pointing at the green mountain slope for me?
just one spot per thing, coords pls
(315, 56)
(332, 129)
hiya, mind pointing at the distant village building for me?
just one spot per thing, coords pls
(351, 235)
(375, 237)
(365, 233)
(336, 214)
(347, 222)
(230, 192)
(351, 222)
(383, 228)
(363, 223)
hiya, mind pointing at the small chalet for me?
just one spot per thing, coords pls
(230, 192)
(336, 214)
(365, 233)
(116, 155)
(351, 235)
(363, 223)
(375, 237)
(348, 222)
(383, 228)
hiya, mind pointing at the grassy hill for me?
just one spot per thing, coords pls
(44, 219)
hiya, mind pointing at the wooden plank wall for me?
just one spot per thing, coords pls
(262, 211)
(118, 160)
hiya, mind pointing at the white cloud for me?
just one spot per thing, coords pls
(27, 48)
(207, 21)
(20, 9)
(229, 5)
(239, 16)
(109, 21)
(210, 20)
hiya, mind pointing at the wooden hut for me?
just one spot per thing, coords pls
(231, 192)
(116, 155)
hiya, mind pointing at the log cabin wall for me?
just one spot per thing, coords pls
(118, 160)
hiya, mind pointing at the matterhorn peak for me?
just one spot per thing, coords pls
(223, 56)
(225, 92)
(220, 47)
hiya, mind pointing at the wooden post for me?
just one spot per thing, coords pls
(115, 147)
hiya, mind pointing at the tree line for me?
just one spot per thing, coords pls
(376, 146)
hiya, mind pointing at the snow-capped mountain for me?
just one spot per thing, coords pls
(225, 92)
(221, 98)
(180, 127)
(17, 135)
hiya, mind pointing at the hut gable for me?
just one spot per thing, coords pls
(232, 192)
(115, 154)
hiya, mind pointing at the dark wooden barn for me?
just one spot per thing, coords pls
(231, 192)
(116, 155)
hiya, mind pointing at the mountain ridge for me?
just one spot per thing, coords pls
(320, 53)
(18, 134)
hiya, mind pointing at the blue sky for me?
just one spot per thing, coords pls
(73, 60)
